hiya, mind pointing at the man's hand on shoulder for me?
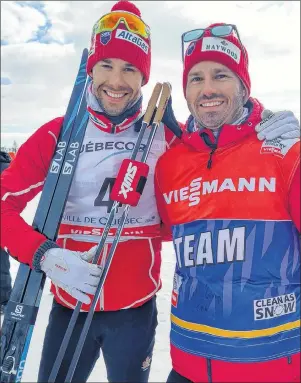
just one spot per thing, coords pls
(281, 124)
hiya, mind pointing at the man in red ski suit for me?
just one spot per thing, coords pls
(124, 323)
(234, 207)
(126, 316)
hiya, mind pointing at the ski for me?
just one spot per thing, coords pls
(22, 309)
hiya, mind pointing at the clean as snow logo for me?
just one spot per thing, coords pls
(221, 45)
(126, 185)
(105, 37)
(274, 307)
(133, 39)
(190, 49)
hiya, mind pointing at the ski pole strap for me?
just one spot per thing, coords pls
(170, 121)
(130, 182)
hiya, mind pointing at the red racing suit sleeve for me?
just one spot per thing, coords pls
(20, 183)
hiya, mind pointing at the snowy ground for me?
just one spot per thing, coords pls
(161, 360)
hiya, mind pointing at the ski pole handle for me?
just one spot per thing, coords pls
(152, 103)
(166, 91)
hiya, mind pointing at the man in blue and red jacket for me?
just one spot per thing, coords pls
(233, 203)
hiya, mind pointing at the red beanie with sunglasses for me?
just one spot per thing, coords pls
(120, 42)
(226, 50)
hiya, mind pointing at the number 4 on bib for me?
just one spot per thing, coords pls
(130, 182)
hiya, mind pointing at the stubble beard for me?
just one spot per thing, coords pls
(111, 111)
(214, 120)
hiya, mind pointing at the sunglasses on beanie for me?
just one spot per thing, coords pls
(216, 31)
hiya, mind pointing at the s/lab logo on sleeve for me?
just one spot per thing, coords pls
(274, 307)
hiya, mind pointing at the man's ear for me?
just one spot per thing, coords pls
(244, 92)
(243, 88)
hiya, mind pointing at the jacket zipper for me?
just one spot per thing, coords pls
(209, 163)
(211, 145)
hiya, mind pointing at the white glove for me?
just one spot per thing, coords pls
(88, 256)
(282, 124)
(71, 271)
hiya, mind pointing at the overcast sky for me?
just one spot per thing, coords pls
(42, 41)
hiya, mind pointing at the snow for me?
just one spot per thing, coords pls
(161, 364)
